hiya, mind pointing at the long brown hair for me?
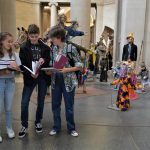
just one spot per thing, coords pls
(3, 37)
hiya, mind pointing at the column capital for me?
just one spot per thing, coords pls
(53, 3)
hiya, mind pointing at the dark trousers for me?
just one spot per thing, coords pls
(103, 75)
(26, 94)
(57, 92)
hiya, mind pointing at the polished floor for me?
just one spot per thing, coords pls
(99, 128)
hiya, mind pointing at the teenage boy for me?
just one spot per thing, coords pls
(33, 50)
(65, 81)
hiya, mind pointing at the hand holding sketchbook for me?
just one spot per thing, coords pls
(60, 63)
(36, 66)
(5, 64)
(51, 69)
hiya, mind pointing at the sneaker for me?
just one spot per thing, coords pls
(74, 133)
(11, 133)
(53, 132)
(114, 107)
(1, 139)
(22, 132)
(38, 127)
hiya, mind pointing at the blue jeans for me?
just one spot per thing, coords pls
(7, 90)
(57, 92)
(26, 94)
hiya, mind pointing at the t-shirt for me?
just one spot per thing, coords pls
(36, 52)
(6, 60)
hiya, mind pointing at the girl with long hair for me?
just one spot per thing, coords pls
(9, 61)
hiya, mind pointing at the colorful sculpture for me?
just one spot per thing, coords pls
(123, 100)
(116, 73)
(22, 37)
(143, 75)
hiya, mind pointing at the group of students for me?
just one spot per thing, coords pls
(63, 82)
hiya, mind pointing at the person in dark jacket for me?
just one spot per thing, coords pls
(109, 59)
(104, 69)
(33, 50)
(130, 49)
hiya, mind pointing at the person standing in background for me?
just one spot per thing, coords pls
(130, 49)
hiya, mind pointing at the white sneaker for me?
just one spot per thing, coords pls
(74, 133)
(1, 139)
(53, 132)
(114, 107)
(11, 133)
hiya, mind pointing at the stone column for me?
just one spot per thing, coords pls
(8, 16)
(80, 12)
(54, 15)
(0, 21)
(0, 15)
(146, 53)
(116, 32)
(99, 22)
(38, 14)
(131, 19)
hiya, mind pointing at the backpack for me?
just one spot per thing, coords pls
(79, 74)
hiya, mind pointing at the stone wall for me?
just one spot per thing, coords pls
(109, 15)
(27, 13)
(7, 16)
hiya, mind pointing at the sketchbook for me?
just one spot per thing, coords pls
(60, 62)
(50, 69)
(4, 64)
(36, 66)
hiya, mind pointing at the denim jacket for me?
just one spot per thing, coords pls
(70, 78)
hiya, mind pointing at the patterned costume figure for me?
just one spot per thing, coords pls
(116, 73)
(123, 101)
(144, 76)
(132, 94)
(72, 30)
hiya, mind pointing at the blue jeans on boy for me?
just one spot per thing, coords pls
(7, 90)
(57, 92)
(26, 95)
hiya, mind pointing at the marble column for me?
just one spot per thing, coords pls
(8, 16)
(38, 14)
(80, 11)
(99, 22)
(131, 19)
(54, 15)
(116, 33)
(0, 22)
(146, 48)
(0, 15)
